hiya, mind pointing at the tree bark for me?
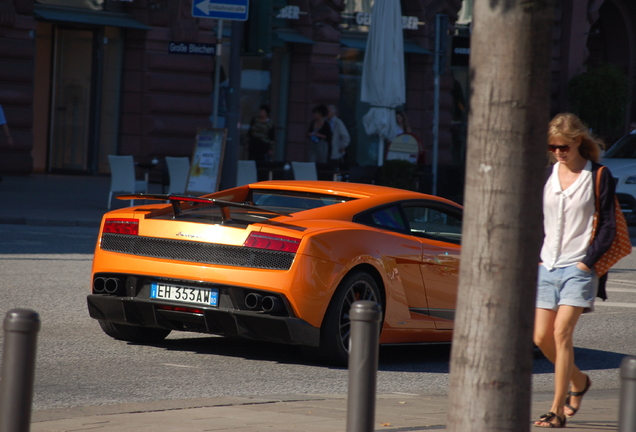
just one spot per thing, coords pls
(491, 362)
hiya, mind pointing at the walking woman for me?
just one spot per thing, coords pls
(568, 283)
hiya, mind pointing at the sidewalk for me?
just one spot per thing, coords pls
(57, 200)
(306, 413)
(65, 200)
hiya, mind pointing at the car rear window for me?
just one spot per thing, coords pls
(271, 201)
(293, 201)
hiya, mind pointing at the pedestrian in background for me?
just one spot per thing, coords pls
(340, 136)
(403, 122)
(567, 282)
(319, 134)
(261, 136)
(5, 127)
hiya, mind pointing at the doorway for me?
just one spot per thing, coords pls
(71, 99)
(85, 98)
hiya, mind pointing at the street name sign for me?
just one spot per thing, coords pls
(191, 48)
(235, 10)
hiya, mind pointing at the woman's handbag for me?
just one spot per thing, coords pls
(621, 245)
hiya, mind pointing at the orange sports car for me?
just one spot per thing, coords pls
(279, 261)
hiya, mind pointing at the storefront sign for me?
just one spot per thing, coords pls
(408, 22)
(205, 172)
(191, 48)
(289, 12)
(236, 10)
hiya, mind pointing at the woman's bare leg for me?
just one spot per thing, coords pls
(553, 334)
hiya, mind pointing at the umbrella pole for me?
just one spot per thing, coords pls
(380, 150)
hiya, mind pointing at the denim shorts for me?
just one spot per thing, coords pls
(569, 286)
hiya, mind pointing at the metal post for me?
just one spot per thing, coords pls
(441, 36)
(233, 118)
(627, 408)
(435, 129)
(363, 365)
(217, 74)
(18, 367)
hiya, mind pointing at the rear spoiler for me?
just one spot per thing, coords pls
(177, 200)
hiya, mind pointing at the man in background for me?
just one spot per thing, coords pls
(340, 139)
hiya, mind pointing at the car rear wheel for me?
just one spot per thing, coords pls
(133, 333)
(336, 326)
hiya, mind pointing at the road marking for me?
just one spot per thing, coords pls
(611, 304)
(622, 282)
(179, 366)
(625, 290)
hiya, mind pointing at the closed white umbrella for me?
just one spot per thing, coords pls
(383, 72)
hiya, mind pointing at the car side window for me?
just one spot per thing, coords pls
(386, 217)
(389, 217)
(434, 222)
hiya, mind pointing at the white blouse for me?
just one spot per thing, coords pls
(568, 217)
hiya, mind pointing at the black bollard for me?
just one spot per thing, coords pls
(627, 409)
(18, 368)
(363, 365)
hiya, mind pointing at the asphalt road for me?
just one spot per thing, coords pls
(48, 269)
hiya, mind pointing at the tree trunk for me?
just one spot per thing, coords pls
(491, 362)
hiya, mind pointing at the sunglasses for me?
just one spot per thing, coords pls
(563, 148)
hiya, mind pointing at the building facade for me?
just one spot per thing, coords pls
(81, 79)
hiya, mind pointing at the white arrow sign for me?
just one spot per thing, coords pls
(221, 9)
(204, 6)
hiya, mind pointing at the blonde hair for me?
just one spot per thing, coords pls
(570, 128)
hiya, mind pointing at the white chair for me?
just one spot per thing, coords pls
(122, 177)
(246, 172)
(304, 170)
(178, 171)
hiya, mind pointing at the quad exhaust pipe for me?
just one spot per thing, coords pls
(272, 305)
(268, 304)
(254, 301)
(107, 285)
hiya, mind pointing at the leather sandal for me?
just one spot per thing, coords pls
(553, 420)
(588, 384)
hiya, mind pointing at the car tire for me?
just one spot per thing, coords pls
(334, 332)
(133, 333)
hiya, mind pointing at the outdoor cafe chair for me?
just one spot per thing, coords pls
(178, 171)
(122, 177)
(246, 172)
(304, 170)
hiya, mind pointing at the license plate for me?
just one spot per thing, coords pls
(201, 296)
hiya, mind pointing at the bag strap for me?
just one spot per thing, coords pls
(598, 189)
(597, 201)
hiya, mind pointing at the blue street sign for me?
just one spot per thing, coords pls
(220, 9)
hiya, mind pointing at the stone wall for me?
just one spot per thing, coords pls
(165, 97)
(17, 51)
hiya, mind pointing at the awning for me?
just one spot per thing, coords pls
(96, 18)
(361, 43)
(292, 36)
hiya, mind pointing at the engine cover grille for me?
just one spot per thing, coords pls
(208, 253)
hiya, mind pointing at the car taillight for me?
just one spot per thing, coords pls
(272, 242)
(121, 226)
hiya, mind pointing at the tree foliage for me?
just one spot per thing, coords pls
(599, 97)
